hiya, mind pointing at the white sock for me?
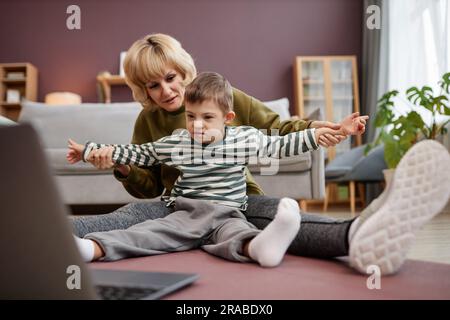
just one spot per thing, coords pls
(270, 245)
(86, 248)
(351, 231)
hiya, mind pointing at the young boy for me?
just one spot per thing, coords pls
(211, 191)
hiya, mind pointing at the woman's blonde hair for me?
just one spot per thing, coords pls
(146, 60)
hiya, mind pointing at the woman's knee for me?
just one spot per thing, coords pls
(261, 210)
(265, 206)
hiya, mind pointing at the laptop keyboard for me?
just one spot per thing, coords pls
(122, 293)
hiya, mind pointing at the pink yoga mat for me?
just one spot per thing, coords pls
(297, 278)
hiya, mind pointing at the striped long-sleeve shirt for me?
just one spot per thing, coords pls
(215, 171)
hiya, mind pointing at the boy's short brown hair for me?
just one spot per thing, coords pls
(210, 86)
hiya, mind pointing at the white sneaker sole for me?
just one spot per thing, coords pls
(420, 189)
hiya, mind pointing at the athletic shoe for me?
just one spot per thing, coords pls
(419, 190)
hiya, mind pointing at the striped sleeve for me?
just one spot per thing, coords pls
(137, 154)
(90, 146)
(288, 145)
(143, 155)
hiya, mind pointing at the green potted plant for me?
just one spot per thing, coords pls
(400, 130)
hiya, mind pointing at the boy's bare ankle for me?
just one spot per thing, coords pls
(245, 248)
(98, 251)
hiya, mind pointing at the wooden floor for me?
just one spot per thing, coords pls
(432, 243)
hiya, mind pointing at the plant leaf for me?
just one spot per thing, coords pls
(439, 105)
(423, 96)
(446, 111)
(445, 82)
(415, 119)
(392, 153)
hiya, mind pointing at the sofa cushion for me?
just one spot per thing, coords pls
(337, 171)
(268, 166)
(60, 166)
(106, 123)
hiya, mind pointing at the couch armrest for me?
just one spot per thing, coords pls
(304, 178)
(6, 122)
(318, 173)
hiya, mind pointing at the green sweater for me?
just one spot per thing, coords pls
(153, 125)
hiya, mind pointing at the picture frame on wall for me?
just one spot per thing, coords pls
(122, 58)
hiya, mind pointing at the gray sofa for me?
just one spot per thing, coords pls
(301, 177)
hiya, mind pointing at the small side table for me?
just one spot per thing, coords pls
(105, 82)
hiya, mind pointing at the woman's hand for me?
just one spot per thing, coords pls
(329, 138)
(101, 158)
(124, 169)
(75, 152)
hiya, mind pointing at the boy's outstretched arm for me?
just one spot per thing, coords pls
(291, 144)
(75, 152)
(141, 155)
(351, 125)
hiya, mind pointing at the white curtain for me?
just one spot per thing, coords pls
(419, 43)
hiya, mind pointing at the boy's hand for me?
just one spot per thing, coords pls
(75, 152)
(354, 124)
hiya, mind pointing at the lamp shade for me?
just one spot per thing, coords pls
(62, 98)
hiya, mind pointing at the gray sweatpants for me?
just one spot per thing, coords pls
(217, 229)
(319, 236)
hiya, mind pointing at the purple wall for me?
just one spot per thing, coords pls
(251, 42)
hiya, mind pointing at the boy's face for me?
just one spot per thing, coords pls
(206, 121)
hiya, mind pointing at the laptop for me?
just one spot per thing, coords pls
(39, 257)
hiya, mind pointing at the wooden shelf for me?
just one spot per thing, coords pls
(342, 81)
(20, 81)
(26, 86)
(337, 76)
(327, 71)
(312, 98)
(312, 81)
(11, 104)
(342, 98)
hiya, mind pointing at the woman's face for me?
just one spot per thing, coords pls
(167, 91)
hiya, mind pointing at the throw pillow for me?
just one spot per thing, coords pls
(280, 106)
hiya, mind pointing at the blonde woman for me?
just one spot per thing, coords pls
(157, 70)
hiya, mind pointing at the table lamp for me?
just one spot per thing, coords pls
(62, 98)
